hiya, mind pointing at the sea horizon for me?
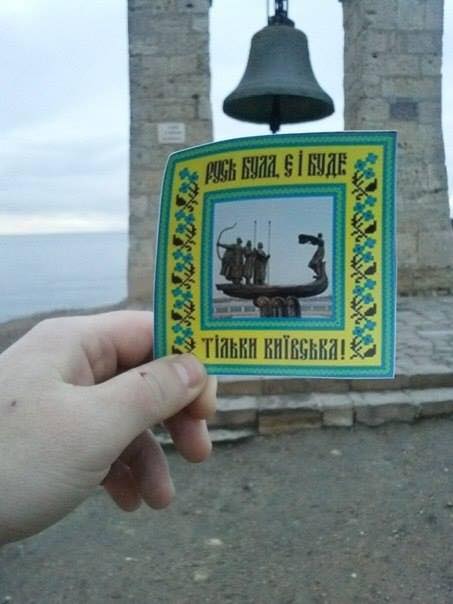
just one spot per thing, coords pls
(47, 272)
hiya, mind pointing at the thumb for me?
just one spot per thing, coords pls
(149, 394)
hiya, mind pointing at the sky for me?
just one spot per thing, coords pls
(64, 107)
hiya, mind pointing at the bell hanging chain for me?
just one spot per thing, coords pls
(281, 14)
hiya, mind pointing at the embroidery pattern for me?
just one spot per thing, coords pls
(183, 276)
(363, 264)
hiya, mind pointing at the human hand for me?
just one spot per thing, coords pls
(77, 396)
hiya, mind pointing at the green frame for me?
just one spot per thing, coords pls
(336, 321)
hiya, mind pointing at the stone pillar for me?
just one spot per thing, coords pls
(169, 83)
(392, 80)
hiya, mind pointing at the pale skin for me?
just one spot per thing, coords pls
(77, 398)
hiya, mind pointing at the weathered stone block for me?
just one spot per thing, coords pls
(200, 23)
(407, 249)
(139, 206)
(235, 386)
(430, 244)
(430, 375)
(400, 381)
(431, 64)
(288, 421)
(233, 412)
(400, 65)
(140, 283)
(411, 14)
(338, 418)
(404, 110)
(381, 15)
(274, 386)
(193, 6)
(377, 408)
(409, 86)
(432, 402)
(434, 13)
(378, 41)
(424, 43)
(204, 109)
(287, 402)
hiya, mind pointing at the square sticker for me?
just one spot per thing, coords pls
(276, 255)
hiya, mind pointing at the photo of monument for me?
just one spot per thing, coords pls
(273, 258)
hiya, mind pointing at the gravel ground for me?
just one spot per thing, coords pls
(321, 516)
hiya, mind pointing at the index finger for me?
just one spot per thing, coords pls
(91, 349)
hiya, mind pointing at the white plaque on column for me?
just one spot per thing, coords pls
(171, 133)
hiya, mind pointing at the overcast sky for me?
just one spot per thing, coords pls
(64, 102)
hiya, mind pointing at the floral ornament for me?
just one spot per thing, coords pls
(189, 181)
(363, 263)
(184, 173)
(360, 165)
(183, 274)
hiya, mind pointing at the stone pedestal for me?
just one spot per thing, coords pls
(392, 80)
(169, 89)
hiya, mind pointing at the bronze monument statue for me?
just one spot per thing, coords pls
(239, 264)
(260, 264)
(318, 257)
(249, 262)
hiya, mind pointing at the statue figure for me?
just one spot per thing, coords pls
(317, 261)
(232, 261)
(260, 264)
(249, 261)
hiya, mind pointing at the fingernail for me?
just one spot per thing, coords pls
(189, 370)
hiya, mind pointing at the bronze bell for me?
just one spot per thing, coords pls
(278, 86)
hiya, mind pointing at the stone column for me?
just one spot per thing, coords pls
(392, 80)
(169, 84)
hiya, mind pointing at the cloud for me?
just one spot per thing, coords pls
(64, 114)
(61, 222)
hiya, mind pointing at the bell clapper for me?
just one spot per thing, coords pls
(275, 117)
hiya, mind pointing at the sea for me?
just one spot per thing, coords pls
(41, 273)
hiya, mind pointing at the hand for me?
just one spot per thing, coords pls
(77, 396)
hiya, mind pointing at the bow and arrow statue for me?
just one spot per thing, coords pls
(232, 259)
